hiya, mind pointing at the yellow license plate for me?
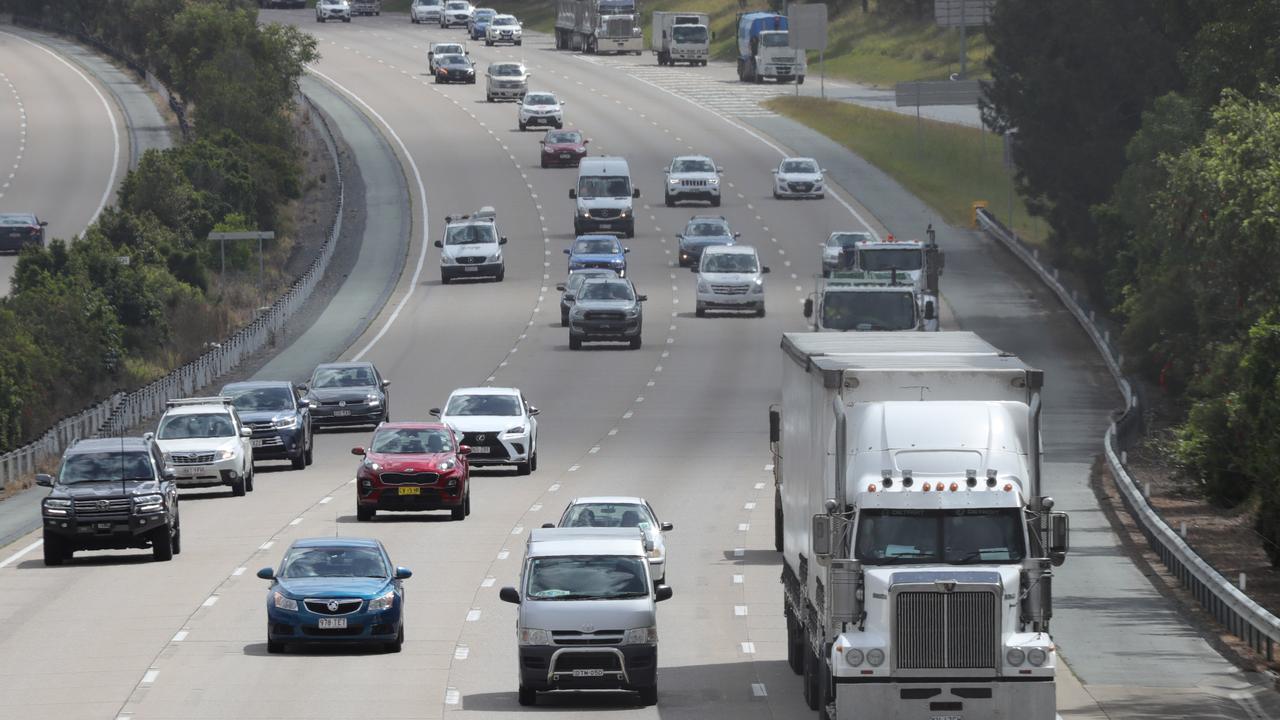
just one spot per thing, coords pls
(410, 491)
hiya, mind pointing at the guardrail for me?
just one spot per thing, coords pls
(1243, 617)
(122, 411)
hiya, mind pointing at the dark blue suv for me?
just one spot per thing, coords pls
(279, 418)
(598, 251)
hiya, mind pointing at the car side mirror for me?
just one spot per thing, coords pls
(509, 594)
(560, 287)
(464, 449)
(764, 270)
(823, 170)
(567, 251)
(44, 480)
(694, 269)
(386, 383)
(312, 404)
(626, 250)
(586, 141)
(929, 311)
(679, 236)
(635, 192)
(563, 103)
(168, 474)
(438, 244)
(719, 171)
(667, 527)
(642, 298)
(662, 592)
(737, 235)
(502, 240)
(542, 142)
(359, 451)
(573, 194)
(534, 410)
(246, 432)
(403, 573)
(774, 171)
(808, 307)
(267, 574)
(548, 525)
(570, 296)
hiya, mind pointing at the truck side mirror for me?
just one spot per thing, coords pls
(44, 480)
(775, 425)
(808, 307)
(1059, 537)
(929, 313)
(821, 534)
(548, 525)
(573, 194)
(635, 192)
(439, 244)
(509, 594)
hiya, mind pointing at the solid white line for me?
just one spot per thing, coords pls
(759, 486)
(326, 500)
(452, 696)
(461, 652)
(743, 527)
(16, 556)
(737, 579)
(749, 648)
(488, 582)
(739, 610)
(267, 545)
(504, 554)
(115, 129)
(295, 521)
(749, 506)
(426, 224)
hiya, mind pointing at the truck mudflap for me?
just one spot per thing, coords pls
(947, 700)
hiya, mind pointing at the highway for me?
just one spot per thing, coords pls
(682, 422)
(62, 144)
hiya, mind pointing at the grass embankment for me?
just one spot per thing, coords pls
(947, 166)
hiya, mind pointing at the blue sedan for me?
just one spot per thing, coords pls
(598, 251)
(335, 590)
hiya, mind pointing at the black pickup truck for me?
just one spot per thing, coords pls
(111, 494)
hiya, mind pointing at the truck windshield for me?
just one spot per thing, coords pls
(890, 258)
(868, 311)
(956, 537)
(590, 577)
(774, 39)
(592, 187)
(617, 7)
(689, 34)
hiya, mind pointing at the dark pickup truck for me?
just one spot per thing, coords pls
(111, 494)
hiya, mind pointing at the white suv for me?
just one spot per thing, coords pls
(472, 247)
(498, 424)
(505, 80)
(333, 10)
(693, 177)
(540, 108)
(503, 29)
(456, 12)
(730, 277)
(425, 11)
(205, 442)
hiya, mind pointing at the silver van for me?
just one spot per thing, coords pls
(587, 617)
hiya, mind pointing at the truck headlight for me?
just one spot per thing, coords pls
(714, 181)
(284, 603)
(384, 602)
(586, 213)
(853, 656)
(1037, 657)
(57, 507)
(148, 504)
(1015, 657)
(703, 287)
(641, 636)
(875, 657)
(534, 636)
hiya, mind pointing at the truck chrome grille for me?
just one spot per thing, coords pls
(618, 27)
(936, 630)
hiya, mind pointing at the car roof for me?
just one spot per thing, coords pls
(603, 165)
(691, 157)
(609, 500)
(248, 384)
(351, 364)
(594, 272)
(89, 445)
(596, 237)
(336, 542)
(585, 541)
(718, 219)
(729, 250)
(607, 280)
(789, 159)
(201, 409)
(412, 425)
(485, 391)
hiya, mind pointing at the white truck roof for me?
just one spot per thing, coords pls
(544, 542)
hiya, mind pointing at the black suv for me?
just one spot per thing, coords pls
(279, 417)
(348, 393)
(111, 494)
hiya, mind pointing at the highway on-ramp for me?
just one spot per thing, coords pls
(681, 421)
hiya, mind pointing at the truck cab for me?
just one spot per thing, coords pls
(587, 616)
(764, 50)
(862, 301)
(681, 37)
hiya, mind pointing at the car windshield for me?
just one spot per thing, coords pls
(427, 3)
(470, 234)
(607, 291)
(868, 311)
(800, 167)
(591, 187)
(572, 138)
(457, 6)
(846, 240)
(411, 441)
(596, 246)
(203, 425)
(105, 466)
(260, 399)
(689, 33)
(454, 61)
(706, 229)
(693, 165)
(539, 99)
(958, 537)
(773, 39)
(305, 562)
(586, 578)
(890, 258)
(15, 219)
(608, 515)
(576, 279)
(461, 405)
(507, 70)
(342, 377)
(483, 15)
(501, 20)
(442, 50)
(729, 263)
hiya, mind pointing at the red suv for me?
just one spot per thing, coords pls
(413, 466)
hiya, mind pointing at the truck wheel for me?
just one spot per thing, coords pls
(795, 643)
(55, 550)
(365, 514)
(162, 543)
(777, 527)
(810, 677)
(649, 695)
(528, 696)
(800, 80)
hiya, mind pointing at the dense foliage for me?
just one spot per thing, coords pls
(1148, 134)
(132, 296)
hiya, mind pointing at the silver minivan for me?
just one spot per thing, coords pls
(587, 615)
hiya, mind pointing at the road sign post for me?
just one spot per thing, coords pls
(258, 235)
(962, 14)
(807, 30)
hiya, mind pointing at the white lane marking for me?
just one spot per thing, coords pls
(461, 652)
(327, 499)
(759, 690)
(452, 696)
(180, 636)
(613, 431)
(149, 677)
(209, 601)
(535, 507)
(737, 579)
(517, 530)
(594, 449)
(749, 506)
(749, 648)
(267, 545)
(488, 582)
(768, 467)
(18, 555)
(759, 486)
(739, 552)
(739, 610)
(473, 615)
(426, 224)
(503, 554)
(554, 487)
(295, 521)
(573, 468)
(743, 527)
(115, 130)
(238, 572)
(627, 415)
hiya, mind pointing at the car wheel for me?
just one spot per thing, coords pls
(521, 127)
(311, 448)
(575, 343)
(760, 310)
(275, 647)
(564, 319)
(560, 126)
(437, 79)
(715, 201)
(364, 514)
(635, 343)
(248, 480)
(488, 44)
(543, 163)
(533, 461)
(489, 98)
(821, 195)
(669, 201)
(299, 462)
(55, 550)
(444, 278)
(395, 645)
(346, 19)
(319, 19)
(177, 538)
(523, 468)
(238, 487)
(776, 196)
(649, 695)
(466, 504)
(460, 512)
(528, 696)
(699, 310)
(162, 543)
(502, 274)
(519, 43)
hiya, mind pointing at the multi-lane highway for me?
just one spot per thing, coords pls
(62, 148)
(681, 421)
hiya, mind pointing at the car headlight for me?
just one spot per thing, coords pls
(641, 636)
(1015, 656)
(517, 430)
(534, 636)
(373, 399)
(497, 257)
(284, 603)
(576, 312)
(624, 213)
(703, 286)
(1037, 657)
(372, 465)
(57, 507)
(633, 312)
(853, 656)
(875, 657)
(673, 181)
(546, 149)
(383, 602)
(446, 466)
(226, 454)
(285, 423)
(148, 504)
(758, 286)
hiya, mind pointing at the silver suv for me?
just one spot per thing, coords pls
(606, 309)
(505, 80)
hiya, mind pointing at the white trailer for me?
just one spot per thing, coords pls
(681, 37)
(917, 547)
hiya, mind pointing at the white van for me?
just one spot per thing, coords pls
(730, 277)
(604, 195)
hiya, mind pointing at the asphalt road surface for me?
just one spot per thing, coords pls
(62, 148)
(681, 421)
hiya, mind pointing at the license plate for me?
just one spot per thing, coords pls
(259, 442)
(341, 413)
(592, 672)
(333, 623)
(564, 156)
(605, 226)
(472, 268)
(479, 449)
(946, 717)
(604, 326)
(103, 526)
(410, 491)
(188, 471)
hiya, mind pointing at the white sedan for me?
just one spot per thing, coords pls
(498, 424)
(797, 177)
(615, 512)
(540, 108)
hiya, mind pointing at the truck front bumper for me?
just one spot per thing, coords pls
(629, 667)
(620, 45)
(929, 700)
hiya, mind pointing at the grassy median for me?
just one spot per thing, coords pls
(947, 166)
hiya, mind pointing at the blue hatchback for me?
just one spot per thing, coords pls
(598, 251)
(480, 22)
(335, 590)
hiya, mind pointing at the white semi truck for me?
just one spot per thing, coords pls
(599, 26)
(857, 300)
(917, 545)
(681, 37)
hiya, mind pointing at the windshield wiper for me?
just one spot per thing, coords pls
(575, 596)
(977, 555)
